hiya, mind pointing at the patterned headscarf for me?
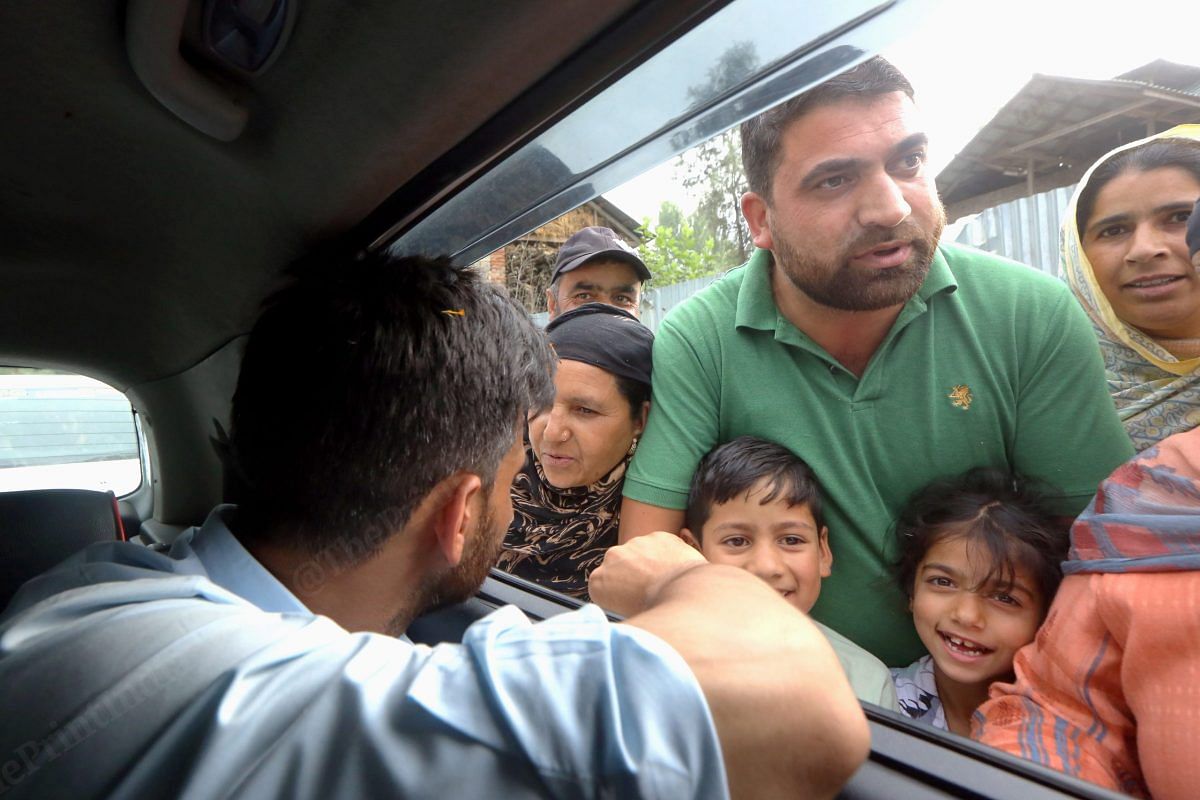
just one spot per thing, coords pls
(1146, 516)
(558, 536)
(1156, 393)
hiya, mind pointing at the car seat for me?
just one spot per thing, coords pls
(40, 528)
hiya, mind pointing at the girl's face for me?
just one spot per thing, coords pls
(1135, 241)
(972, 629)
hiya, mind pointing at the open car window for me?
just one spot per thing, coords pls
(587, 170)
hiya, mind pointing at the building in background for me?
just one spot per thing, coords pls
(1019, 171)
(524, 266)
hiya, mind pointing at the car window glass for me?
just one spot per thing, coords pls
(64, 431)
(745, 57)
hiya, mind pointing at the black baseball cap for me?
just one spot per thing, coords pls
(592, 243)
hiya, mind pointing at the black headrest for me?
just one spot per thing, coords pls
(40, 528)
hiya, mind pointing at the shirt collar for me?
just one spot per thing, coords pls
(230, 566)
(756, 303)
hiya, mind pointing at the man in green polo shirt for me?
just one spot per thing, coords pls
(882, 358)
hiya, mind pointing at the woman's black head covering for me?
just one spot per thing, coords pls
(606, 337)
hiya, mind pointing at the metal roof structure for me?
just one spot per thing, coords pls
(1052, 130)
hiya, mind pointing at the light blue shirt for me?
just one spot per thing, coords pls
(126, 672)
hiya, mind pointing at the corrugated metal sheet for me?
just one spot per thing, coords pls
(1025, 230)
(1057, 126)
(658, 302)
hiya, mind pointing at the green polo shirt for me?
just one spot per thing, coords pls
(991, 363)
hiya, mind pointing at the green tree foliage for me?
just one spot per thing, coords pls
(714, 237)
(714, 172)
(713, 169)
(675, 251)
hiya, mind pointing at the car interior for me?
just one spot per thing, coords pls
(166, 159)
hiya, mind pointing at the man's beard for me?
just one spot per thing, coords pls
(837, 284)
(482, 549)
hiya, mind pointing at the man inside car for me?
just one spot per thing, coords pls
(376, 428)
(596, 266)
(881, 357)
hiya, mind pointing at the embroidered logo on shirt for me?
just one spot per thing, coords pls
(960, 396)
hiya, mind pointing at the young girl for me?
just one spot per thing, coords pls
(979, 559)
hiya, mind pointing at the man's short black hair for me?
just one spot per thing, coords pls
(734, 468)
(762, 136)
(365, 382)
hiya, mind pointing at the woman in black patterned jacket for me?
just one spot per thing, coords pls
(567, 497)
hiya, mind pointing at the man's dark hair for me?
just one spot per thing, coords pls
(367, 381)
(762, 136)
(734, 468)
(1008, 514)
(1171, 152)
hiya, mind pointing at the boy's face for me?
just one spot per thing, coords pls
(777, 542)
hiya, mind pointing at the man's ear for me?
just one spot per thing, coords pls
(757, 214)
(455, 514)
(686, 535)
(552, 303)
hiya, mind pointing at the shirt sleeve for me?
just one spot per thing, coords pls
(1068, 433)
(684, 421)
(571, 707)
(1066, 708)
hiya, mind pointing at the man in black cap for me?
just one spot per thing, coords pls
(595, 266)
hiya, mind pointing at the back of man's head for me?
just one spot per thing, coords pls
(762, 136)
(367, 381)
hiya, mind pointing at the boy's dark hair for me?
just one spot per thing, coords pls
(365, 382)
(762, 136)
(1007, 513)
(734, 468)
(1171, 152)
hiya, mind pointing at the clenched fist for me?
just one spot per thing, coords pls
(632, 573)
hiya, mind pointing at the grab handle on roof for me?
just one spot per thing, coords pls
(153, 29)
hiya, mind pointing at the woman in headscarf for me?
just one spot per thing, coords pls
(1125, 258)
(567, 497)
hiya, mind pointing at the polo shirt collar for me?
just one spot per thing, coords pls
(940, 278)
(756, 303)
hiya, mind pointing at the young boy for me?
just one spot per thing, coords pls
(753, 504)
